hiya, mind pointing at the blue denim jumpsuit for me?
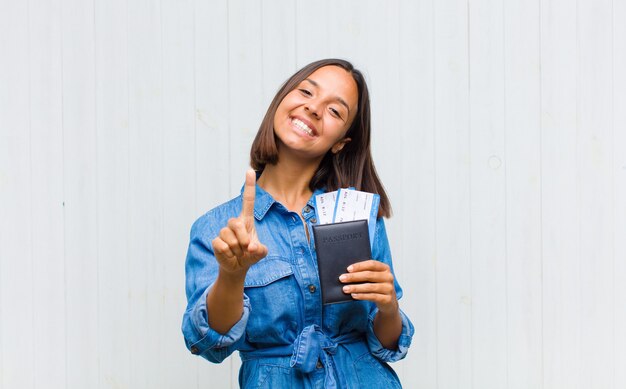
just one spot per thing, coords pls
(286, 338)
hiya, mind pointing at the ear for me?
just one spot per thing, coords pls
(337, 147)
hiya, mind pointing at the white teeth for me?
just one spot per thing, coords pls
(303, 126)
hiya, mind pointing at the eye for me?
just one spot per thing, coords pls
(335, 113)
(305, 92)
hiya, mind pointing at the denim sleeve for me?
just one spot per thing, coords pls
(201, 271)
(382, 252)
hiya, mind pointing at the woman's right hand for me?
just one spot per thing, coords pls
(238, 247)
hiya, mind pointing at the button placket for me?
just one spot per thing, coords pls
(308, 273)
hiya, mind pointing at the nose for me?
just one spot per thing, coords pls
(312, 108)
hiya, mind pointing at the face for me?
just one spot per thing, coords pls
(315, 116)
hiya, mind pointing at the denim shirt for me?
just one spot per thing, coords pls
(286, 336)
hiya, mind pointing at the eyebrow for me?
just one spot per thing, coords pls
(338, 98)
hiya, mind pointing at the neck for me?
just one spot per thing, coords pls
(288, 181)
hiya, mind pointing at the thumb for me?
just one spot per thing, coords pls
(249, 192)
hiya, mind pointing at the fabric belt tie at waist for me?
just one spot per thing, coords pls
(313, 345)
(310, 346)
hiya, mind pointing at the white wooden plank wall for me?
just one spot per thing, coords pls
(499, 131)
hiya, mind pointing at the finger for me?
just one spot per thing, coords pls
(249, 192)
(367, 276)
(221, 249)
(370, 264)
(380, 299)
(377, 288)
(238, 227)
(228, 236)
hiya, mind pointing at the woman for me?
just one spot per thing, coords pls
(252, 281)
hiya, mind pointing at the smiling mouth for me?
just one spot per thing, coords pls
(301, 125)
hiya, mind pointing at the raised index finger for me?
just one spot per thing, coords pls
(249, 191)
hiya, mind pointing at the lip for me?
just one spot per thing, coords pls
(308, 124)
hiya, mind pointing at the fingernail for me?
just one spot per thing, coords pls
(350, 268)
(343, 277)
(346, 289)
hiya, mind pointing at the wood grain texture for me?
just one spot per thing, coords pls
(619, 192)
(559, 197)
(46, 143)
(80, 188)
(523, 186)
(595, 159)
(145, 171)
(452, 190)
(113, 185)
(16, 211)
(488, 180)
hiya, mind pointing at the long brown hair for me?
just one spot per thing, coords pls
(353, 165)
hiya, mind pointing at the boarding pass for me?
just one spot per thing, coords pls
(348, 204)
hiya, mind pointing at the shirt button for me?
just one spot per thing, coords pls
(319, 364)
(195, 350)
(307, 209)
(312, 288)
(313, 220)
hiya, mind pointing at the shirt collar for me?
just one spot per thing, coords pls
(263, 201)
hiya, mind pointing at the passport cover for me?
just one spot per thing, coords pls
(339, 245)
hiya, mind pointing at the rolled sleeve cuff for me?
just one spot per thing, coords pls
(201, 338)
(404, 341)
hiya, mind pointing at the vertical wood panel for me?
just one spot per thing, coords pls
(619, 191)
(212, 135)
(145, 148)
(595, 161)
(178, 183)
(112, 170)
(523, 194)
(245, 84)
(452, 184)
(47, 193)
(16, 217)
(559, 199)
(80, 195)
(414, 197)
(212, 104)
(488, 200)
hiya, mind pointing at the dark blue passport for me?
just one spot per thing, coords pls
(339, 245)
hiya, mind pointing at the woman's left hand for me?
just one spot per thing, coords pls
(372, 281)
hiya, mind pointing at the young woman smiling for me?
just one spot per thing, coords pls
(252, 281)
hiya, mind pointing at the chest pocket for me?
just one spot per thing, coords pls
(273, 292)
